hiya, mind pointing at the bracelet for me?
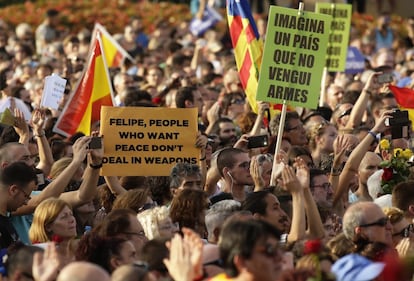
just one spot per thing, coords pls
(374, 135)
(203, 158)
(40, 135)
(95, 167)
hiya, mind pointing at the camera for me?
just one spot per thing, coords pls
(399, 124)
(385, 78)
(95, 143)
(257, 141)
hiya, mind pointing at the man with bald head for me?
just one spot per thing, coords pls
(83, 271)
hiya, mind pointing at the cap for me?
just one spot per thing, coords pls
(355, 267)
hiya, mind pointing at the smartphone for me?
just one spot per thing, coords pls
(257, 141)
(385, 78)
(95, 143)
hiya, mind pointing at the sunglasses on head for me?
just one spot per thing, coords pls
(380, 222)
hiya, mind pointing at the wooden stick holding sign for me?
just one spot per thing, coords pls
(280, 129)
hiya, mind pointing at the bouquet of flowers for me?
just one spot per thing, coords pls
(396, 169)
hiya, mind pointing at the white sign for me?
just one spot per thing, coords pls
(53, 91)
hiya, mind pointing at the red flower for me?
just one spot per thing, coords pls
(57, 239)
(312, 247)
(387, 175)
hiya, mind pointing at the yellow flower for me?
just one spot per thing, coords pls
(398, 152)
(384, 144)
(407, 153)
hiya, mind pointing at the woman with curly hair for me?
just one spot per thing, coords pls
(137, 200)
(188, 209)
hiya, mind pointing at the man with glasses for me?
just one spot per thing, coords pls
(366, 222)
(321, 188)
(17, 181)
(293, 130)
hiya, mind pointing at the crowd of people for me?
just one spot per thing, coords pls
(336, 202)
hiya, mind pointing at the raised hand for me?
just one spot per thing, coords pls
(46, 265)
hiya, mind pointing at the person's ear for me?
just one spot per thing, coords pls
(13, 190)
(114, 263)
(239, 263)
(411, 210)
(188, 103)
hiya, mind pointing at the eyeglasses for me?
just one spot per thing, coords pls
(345, 113)
(325, 185)
(381, 222)
(405, 232)
(270, 251)
(139, 234)
(26, 195)
(140, 264)
(238, 101)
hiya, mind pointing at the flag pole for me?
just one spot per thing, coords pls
(281, 126)
(323, 88)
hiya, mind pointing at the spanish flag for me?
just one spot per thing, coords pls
(114, 53)
(405, 99)
(93, 90)
(248, 46)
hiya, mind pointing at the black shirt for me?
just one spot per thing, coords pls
(8, 234)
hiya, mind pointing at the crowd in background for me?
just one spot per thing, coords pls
(324, 207)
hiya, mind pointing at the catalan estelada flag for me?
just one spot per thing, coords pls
(405, 99)
(248, 46)
(114, 53)
(93, 90)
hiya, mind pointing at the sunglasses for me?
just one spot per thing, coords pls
(405, 232)
(381, 222)
(147, 206)
(345, 113)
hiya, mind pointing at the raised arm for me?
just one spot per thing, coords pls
(360, 106)
(291, 184)
(263, 106)
(88, 189)
(314, 222)
(45, 152)
(21, 127)
(58, 185)
(351, 166)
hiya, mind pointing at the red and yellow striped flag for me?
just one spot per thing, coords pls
(92, 91)
(248, 46)
(405, 99)
(114, 53)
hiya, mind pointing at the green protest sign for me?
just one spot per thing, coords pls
(294, 57)
(339, 35)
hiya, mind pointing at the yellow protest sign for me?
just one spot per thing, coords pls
(147, 141)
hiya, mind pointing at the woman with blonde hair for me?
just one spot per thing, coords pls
(321, 139)
(53, 220)
(157, 223)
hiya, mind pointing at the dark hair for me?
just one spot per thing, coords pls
(226, 158)
(99, 249)
(216, 126)
(238, 238)
(18, 173)
(160, 189)
(137, 97)
(274, 123)
(153, 253)
(403, 195)
(183, 94)
(256, 202)
(20, 256)
(115, 223)
(315, 173)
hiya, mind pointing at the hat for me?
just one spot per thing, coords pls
(354, 267)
